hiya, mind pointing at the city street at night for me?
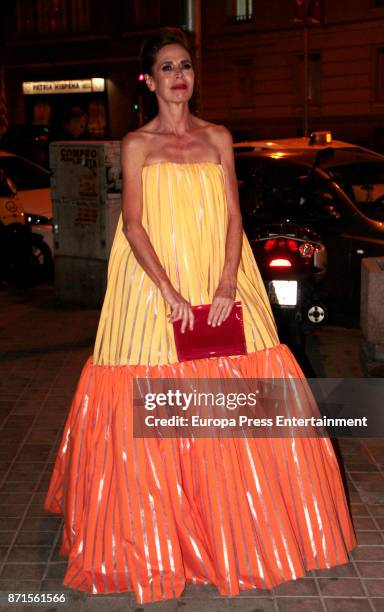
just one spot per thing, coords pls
(191, 305)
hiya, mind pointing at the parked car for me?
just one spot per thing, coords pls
(332, 187)
(33, 189)
(20, 261)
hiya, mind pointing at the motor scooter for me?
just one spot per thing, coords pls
(293, 262)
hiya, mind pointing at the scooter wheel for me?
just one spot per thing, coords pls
(317, 314)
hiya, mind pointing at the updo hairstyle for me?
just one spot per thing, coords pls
(158, 39)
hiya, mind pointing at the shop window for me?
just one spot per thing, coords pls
(314, 79)
(239, 11)
(97, 121)
(380, 76)
(147, 12)
(47, 17)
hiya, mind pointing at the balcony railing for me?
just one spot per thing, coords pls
(244, 18)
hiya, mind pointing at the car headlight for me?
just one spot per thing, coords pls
(38, 219)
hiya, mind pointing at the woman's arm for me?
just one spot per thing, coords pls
(225, 294)
(132, 161)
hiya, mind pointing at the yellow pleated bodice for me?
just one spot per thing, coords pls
(185, 216)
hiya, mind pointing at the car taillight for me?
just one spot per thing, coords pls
(293, 245)
(269, 244)
(281, 243)
(280, 263)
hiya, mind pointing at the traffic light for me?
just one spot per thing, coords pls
(140, 85)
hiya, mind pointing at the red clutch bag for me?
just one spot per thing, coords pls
(207, 341)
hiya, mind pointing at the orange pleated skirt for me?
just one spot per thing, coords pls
(150, 515)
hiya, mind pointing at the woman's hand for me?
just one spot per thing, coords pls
(222, 303)
(180, 308)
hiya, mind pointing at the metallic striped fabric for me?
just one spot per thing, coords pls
(184, 213)
(151, 515)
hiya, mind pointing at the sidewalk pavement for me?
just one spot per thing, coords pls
(42, 350)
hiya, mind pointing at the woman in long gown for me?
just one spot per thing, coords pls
(149, 515)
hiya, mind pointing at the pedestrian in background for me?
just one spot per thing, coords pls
(74, 125)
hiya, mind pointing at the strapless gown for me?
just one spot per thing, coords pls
(150, 515)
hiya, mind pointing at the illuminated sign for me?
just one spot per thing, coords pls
(63, 87)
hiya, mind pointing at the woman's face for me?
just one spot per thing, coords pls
(172, 75)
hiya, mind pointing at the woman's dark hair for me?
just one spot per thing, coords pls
(158, 39)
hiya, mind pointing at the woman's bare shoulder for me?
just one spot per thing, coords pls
(137, 142)
(221, 132)
(216, 131)
(136, 137)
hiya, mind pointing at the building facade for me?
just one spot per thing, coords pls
(61, 45)
(252, 64)
(253, 59)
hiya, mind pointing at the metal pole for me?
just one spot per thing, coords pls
(197, 12)
(141, 114)
(306, 82)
